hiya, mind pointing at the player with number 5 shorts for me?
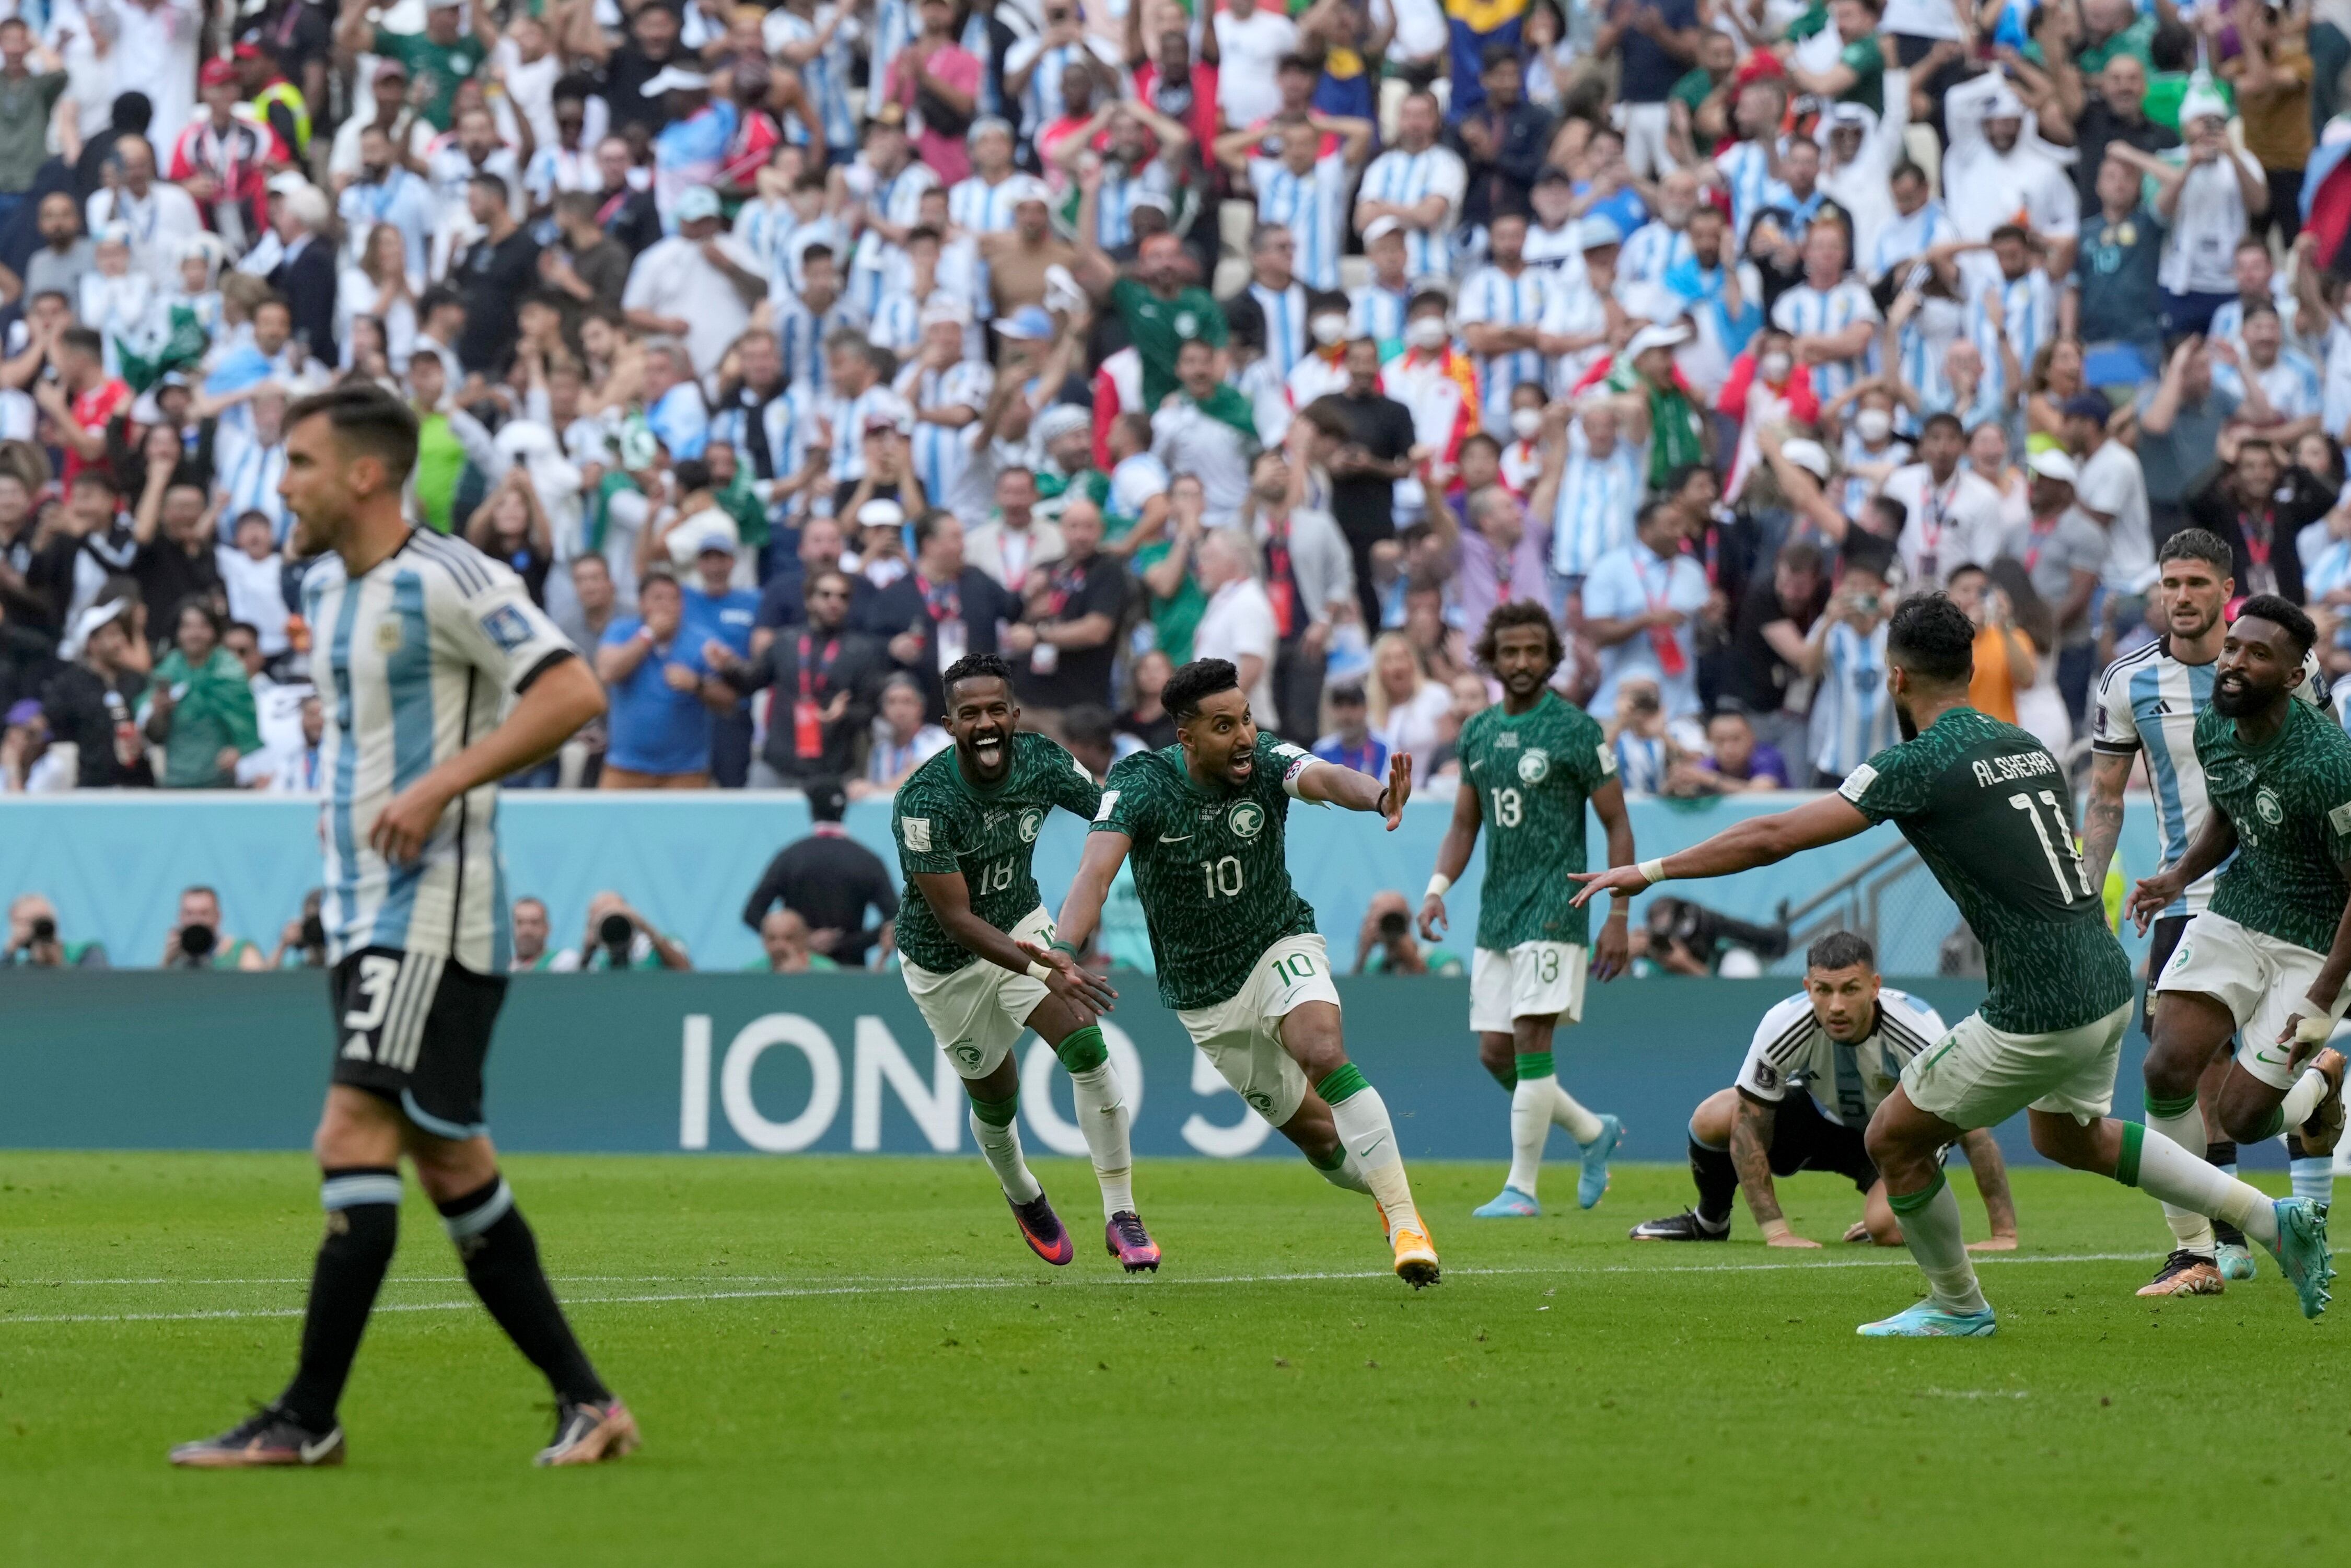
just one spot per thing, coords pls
(1529, 766)
(1237, 955)
(1991, 813)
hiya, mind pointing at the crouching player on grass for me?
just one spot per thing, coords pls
(1822, 1062)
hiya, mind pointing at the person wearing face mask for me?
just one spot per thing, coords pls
(1436, 383)
(1871, 451)
(1324, 368)
(1765, 387)
(1522, 454)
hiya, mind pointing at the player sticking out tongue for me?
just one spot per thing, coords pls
(967, 824)
(1237, 955)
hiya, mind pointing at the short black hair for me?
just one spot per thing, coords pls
(691, 474)
(1679, 476)
(84, 339)
(927, 526)
(1932, 639)
(1517, 612)
(975, 667)
(366, 419)
(826, 799)
(1428, 299)
(2198, 544)
(1841, 951)
(2283, 613)
(1088, 724)
(1195, 683)
(1938, 421)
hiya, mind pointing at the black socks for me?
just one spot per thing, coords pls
(501, 1258)
(362, 1206)
(1718, 1183)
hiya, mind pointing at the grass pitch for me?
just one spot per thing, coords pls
(854, 1360)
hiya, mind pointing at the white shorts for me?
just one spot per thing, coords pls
(977, 1012)
(2261, 979)
(1242, 1034)
(1979, 1076)
(1644, 127)
(1533, 980)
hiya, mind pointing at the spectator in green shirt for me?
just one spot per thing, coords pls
(25, 100)
(1700, 102)
(785, 935)
(2111, 28)
(1385, 946)
(1163, 308)
(1859, 74)
(198, 706)
(437, 59)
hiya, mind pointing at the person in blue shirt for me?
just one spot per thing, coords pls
(1352, 743)
(652, 669)
(715, 610)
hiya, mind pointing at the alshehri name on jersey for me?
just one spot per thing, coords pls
(1989, 812)
(945, 822)
(1792, 1051)
(1209, 864)
(1533, 773)
(416, 660)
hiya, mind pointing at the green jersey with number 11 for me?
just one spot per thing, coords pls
(1988, 808)
(1208, 865)
(1533, 772)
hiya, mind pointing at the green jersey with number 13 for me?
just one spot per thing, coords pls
(1988, 808)
(1533, 773)
(1208, 865)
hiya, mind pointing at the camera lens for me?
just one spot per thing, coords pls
(45, 929)
(1392, 925)
(614, 931)
(196, 941)
(314, 931)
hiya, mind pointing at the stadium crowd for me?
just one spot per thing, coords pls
(791, 354)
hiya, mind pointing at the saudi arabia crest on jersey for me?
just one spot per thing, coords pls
(1534, 766)
(1248, 818)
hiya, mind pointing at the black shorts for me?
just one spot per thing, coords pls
(1804, 1140)
(2162, 938)
(416, 1028)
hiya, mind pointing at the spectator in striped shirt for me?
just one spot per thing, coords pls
(2279, 388)
(1304, 190)
(1417, 185)
(1500, 310)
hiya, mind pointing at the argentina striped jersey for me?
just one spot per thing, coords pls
(1406, 179)
(1806, 310)
(1598, 499)
(2148, 702)
(1792, 1051)
(1853, 714)
(416, 661)
(942, 452)
(1378, 313)
(1312, 207)
(1492, 295)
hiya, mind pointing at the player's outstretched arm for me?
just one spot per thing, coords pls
(1742, 846)
(1612, 950)
(550, 711)
(1750, 1157)
(2312, 1021)
(1344, 788)
(1452, 859)
(2215, 841)
(1082, 908)
(950, 900)
(1992, 1186)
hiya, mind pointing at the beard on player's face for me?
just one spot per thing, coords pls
(985, 739)
(2235, 692)
(1902, 719)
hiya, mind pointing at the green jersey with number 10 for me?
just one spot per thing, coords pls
(1988, 808)
(945, 822)
(1208, 865)
(1533, 772)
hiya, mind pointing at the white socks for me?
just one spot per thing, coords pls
(1581, 1125)
(1348, 1174)
(2168, 1172)
(1102, 1116)
(2192, 1231)
(1932, 1230)
(2303, 1098)
(1370, 1137)
(1000, 1147)
(1533, 1103)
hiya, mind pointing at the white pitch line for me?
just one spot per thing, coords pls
(922, 1287)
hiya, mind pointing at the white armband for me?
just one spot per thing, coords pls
(1039, 970)
(1654, 870)
(1438, 883)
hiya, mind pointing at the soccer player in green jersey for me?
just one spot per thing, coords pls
(2267, 959)
(1528, 766)
(966, 823)
(1237, 955)
(1988, 810)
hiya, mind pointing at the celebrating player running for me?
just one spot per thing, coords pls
(1237, 955)
(967, 824)
(1988, 810)
(1529, 766)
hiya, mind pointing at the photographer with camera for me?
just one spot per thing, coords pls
(617, 937)
(1385, 945)
(303, 944)
(1688, 938)
(197, 940)
(33, 943)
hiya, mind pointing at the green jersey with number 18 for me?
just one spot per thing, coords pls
(1208, 865)
(1533, 773)
(1988, 808)
(945, 822)
(2290, 801)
